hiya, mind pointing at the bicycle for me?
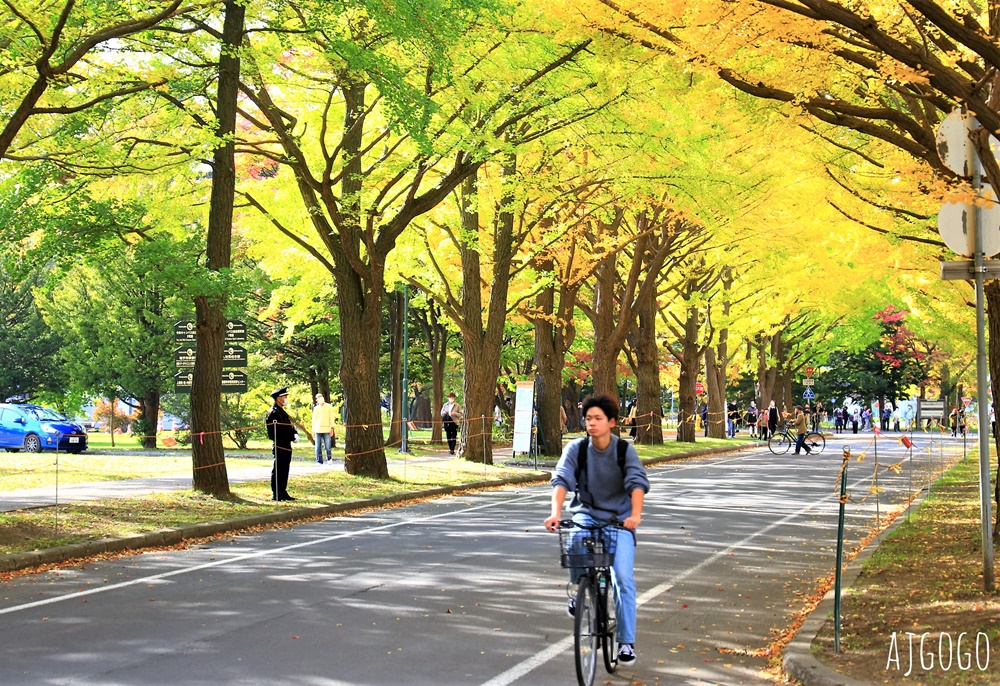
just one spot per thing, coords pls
(780, 442)
(592, 549)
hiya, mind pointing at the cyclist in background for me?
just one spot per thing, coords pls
(616, 492)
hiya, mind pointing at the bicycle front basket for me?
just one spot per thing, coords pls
(582, 547)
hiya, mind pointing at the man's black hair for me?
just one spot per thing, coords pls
(604, 402)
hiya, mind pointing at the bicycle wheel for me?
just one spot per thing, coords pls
(815, 442)
(585, 632)
(779, 443)
(609, 641)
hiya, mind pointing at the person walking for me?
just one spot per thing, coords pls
(604, 489)
(733, 417)
(323, 428)
(801, 428)
(751, 417)
(772, 418)
(282, 433)
(451, 415)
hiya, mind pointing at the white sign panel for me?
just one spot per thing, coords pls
(524, 403)
(955, 224)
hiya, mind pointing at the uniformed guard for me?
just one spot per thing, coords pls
(282, 432)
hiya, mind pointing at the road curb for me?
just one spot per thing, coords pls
(798, 661)
(174, 536)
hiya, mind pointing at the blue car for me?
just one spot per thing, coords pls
(33, 428)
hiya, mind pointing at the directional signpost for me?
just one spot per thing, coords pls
(183, 381)
(232, 356)
(236, 331)
(234, 382)
(184, 357)
(972, 229)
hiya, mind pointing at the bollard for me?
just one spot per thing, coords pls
(840, 551)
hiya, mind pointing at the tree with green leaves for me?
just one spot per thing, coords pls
(30, 360)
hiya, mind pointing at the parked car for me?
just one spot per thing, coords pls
(34, 428)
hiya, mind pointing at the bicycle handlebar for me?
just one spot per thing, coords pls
(570, 524)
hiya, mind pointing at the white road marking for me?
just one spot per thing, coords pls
(250, 556)
(539, 659)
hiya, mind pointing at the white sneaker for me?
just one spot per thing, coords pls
(626, 654)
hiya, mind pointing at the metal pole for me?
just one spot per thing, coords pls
(984, 446)
(840, 550)
(406, 393)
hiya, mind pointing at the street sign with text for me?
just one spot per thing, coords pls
(236, 331)
(185, 331)
(234, 356)
(808, 382)
(234, 382)
(183, 381)
(184, 357)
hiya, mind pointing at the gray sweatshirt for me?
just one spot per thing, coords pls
(610, 489)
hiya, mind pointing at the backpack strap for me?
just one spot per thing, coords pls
(582, 489)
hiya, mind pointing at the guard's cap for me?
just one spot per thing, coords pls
(280, 392)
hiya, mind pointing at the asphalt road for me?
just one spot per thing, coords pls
(459, 590)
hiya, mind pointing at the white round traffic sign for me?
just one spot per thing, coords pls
(952, 142)
(955, 224)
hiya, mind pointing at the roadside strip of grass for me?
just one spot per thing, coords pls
(924, 579)
(49, 527)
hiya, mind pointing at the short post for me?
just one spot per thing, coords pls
(840, 551)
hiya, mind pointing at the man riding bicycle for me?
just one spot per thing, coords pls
(614, 489)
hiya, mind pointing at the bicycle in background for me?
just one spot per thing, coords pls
(781, 441)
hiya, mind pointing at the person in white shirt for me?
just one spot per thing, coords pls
(323, 428)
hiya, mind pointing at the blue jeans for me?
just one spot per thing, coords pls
(622, 577)
(323, 440)
(800, 443)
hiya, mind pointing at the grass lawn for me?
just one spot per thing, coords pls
(926, 578)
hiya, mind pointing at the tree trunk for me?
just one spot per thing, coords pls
(396, 392)
(150, 418)
(207, 454)
(436, 335)
(604, 363)
(549, 361)
(571, 401)
(715, 385)
(648, 410)
(690, 362)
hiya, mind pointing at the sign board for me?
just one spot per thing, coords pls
(184, 357)
(967, 401)
(809, 371)
(930, 409)
(809, 394)
(524, 403)
(955, 222)
(184, 331)
(234, 382)
(236, 331)
(699, 387)
(808, 382)
(234, 356)
(183, 381)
